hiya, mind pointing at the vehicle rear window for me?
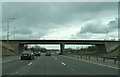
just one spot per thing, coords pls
(26, 52)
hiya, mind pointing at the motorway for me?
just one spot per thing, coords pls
(53, 65)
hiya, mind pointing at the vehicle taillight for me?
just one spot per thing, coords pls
(29, 54)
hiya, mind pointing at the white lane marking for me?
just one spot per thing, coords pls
(56, 58)
(95, 63)
(53, 56)
(30, 63)
(38, 58)
(72, 69)
(16, 72)
(9, 60)
(63, 63)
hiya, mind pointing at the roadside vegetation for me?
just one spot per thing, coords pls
(4, 50)
(37, 49)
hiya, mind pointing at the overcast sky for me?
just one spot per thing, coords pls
(61, 20)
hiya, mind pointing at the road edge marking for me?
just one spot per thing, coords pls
(93, 62)
(9, 60)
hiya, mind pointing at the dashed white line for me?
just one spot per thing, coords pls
(63, 63)
(30, 63)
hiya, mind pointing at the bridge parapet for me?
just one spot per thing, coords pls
(105, 45)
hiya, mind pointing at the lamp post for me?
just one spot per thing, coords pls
(14, 33)
(8, 21)
(107, 35)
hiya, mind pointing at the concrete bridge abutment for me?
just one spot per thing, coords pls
(62, 46)
(101, 48)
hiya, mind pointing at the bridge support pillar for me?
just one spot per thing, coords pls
(26, 47)
(21, 48)
(101, 48)
(62, 47)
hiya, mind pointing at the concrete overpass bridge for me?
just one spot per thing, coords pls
(103, 46)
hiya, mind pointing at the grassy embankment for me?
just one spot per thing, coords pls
(115, 52)
(9, 53)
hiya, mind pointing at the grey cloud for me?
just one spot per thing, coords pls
(88, 30)
(100, 28)
(94, 28)
(23, 31)
(37, 18)
(113, 24)
(58, 13)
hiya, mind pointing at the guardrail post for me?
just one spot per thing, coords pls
(97, 58)
(89, 57)
(81, 56)
(114, 61)
(103, 59)
(86, 57)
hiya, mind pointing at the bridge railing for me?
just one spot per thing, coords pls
(58, 38)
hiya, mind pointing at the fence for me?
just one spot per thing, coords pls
(96, 57)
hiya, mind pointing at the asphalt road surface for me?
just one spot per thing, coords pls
(53, 65)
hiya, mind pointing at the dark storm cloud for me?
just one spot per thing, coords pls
(37, 18)
(32, 14)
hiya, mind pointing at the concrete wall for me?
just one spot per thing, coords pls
(101, 48)
(62, 46)
(111, 46)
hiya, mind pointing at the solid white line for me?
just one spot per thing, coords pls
(9, 60)
(30, 63)
(95, 63)
(72, 69)
(63, 63)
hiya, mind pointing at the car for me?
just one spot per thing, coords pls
(48, 53)
(37, 53)
(27, 55)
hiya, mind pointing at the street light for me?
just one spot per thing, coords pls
(8, 34)
(107, 35)
(14, 33)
